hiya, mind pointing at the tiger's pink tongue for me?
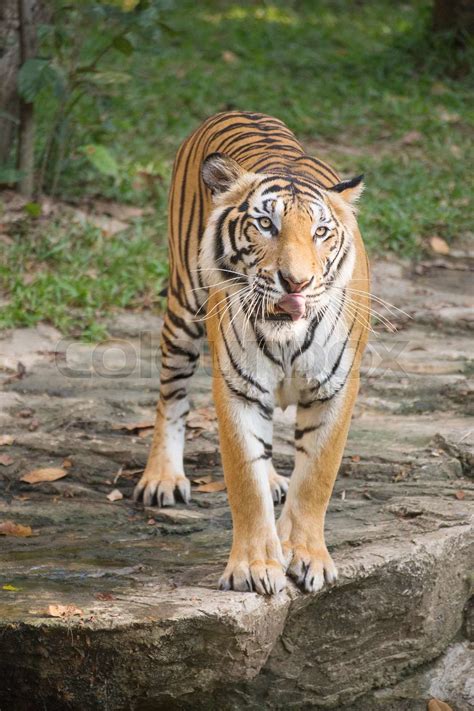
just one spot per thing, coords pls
(293, 304)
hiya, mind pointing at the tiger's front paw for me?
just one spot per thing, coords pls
(265, 577)
(309, 567)
(255, 568)
(307, 559)
(162, 488)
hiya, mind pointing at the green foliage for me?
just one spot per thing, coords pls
(102, 159)
(71, 83)
(33, 209)
(365, 85)
(72, 276)
(35, 75)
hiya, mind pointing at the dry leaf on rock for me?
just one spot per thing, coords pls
(146, 432)
(203, 479)
(131, 426)
(64, 611)
(6, 440)
(437, 705)
(202, 417)
(67, 464)
(115, 495)
(438, 245)
(8, 528)
(6, 460)
(212, 487)
(460, 495)
(47, 474)
(201, 420)
(104, 596)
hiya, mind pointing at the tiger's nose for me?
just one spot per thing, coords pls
(291, 285)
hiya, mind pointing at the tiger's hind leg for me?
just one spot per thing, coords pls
(278, 484)
(164, 476)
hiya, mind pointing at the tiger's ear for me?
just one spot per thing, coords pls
(219, 172)
(350, 190)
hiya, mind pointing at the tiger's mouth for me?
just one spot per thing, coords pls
(277, 315)
(291, 307)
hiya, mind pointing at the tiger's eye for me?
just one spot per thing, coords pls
(264, 222)
(321, 231)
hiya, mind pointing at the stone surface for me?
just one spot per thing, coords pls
(152, 631)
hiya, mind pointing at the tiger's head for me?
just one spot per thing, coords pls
(282, 234)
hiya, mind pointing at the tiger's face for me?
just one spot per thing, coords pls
(283, 235)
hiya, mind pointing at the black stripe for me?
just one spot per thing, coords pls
(177, 350)
(174, 378)
(300, 433)
(301, 449)
(265, 410)
(177, 394)
(238, 369)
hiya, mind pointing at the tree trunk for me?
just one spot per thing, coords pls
(9, 63)
(456, 16)
(26, 145)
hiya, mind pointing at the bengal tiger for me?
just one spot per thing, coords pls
(264, 249)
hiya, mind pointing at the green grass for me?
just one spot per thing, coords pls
(352, 79)
(74, 276)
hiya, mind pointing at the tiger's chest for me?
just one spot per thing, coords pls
(304, 369)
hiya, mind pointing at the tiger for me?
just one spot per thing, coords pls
(265, 254)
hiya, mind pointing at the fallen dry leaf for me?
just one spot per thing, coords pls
(6, 440)
(355, 458)
(460, 495)
(10, 588)
(47, 474)
(131, 426)
(6, 460)
(449, 116)
(438, 245)
(145, 432)
(34, 424)
(118, 210)
(64, 611)
(17, 375)
(8, 528)
(67, 464)
(437, 705)
(411, 137)
(108, 225)
(105, 596)
(203, 479)
(229, 57)
(203, 419)
(26, 412)
(115, 495)
(212, 487)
